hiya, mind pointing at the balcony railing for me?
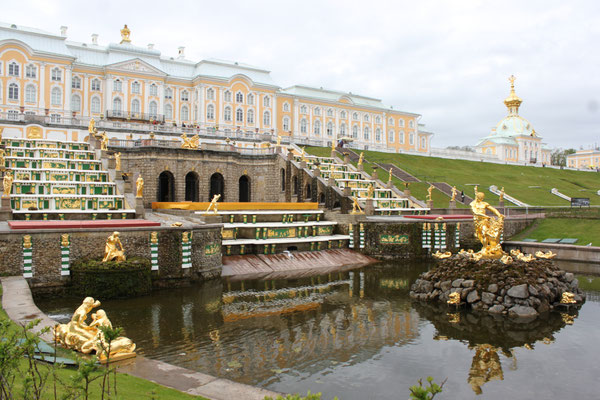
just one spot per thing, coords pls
(135, 116)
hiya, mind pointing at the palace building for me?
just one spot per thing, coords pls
(514, 139)
(46, 78)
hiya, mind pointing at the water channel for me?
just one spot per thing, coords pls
(357, 335)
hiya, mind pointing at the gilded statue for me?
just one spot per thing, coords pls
(92, 127)
(2, 161)
(79, 336)
(332, 145)
(454, 298)
(125, 33)
(547, 255)
(1, 130)
(429, 192)
(476, 190)
(390, 175)
(7, 184)
(113, 250)
(118, 161)
(370, 191)
(139, 186)
(356, 207)
(567, 298)
(487, 229)
(278, 140)
(190, 143)
(454, 193)
(361, 158)
(441, 255)
(103, 141)
(485, 367)
(214, 206)
(303, 155)
(501, 197)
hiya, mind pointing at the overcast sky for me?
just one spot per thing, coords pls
(448, 61)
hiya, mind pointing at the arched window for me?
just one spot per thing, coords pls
(185, 113)
(303, 126)
(400, 122)
(317, 127)
(13, 91)
(217, 186)
(329, 129)
(227, 114)
(317, 111)
(244, 189)
(30, 71)
(267, 101)
(391, 136)
(210, 94)
(366, 118)
(239, 98)
(30, 94)
(76, 83)
(56, 75)
(303, 109)
(56, 97)
(391, 121)
(250, 99)
(423, 143)
(117, 86)
(153, 109)
(166, 186)
(343, 115)
(153, 90)
(355, 116)
(411, 139)
(266, 118)
(96, 85)
(117, 104)
(411, 123)
(355, 131)
(135, 106)
(366, 132)
(378, 119)
(401, 137)
(135, 87)
(239, 115)
(168, 111)
(13, 69)
(343, 129)
(295, 185)
(227, 96)
(210, 112)
(185, 96)
(282, 179)
(95, 104)
(330, 112)
(286, 107)
(286, 124)
(250, 116)
(168, 93)
(191, 186)
(378, 134)
(75, 103)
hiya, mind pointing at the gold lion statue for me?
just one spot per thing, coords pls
(567, 298)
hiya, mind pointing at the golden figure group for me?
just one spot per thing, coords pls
(113, 250)
(190, 143)
(79, 336)
(214, 205)
(487, 229)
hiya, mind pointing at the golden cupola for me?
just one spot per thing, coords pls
(512, 101)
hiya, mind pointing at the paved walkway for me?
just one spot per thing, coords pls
(19, 305)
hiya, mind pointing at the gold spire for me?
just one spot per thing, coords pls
(125, 32)
(513, 101)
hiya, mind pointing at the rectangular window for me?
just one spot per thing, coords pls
(55, 118)
(13, 69)
(30, 71)
(96, 85)
(13, 115)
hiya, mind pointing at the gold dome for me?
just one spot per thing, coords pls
(513, 101)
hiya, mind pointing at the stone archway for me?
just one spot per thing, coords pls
(191, 186)
(166, 186)
(244, 189)
(217, 186)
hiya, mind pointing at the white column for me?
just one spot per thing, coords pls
(384, 134)
(274, 122)
(125, 87)
(108, 87)
(201, 107)
(86, 90)
(161, 98)
(146, 88)
(176, 115)
(42, 96)
(68, 89)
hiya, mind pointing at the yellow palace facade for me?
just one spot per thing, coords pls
(45, 77)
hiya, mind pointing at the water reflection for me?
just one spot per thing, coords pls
(489, 335)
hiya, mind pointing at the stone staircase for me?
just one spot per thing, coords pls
(494, 189)
(58, 178)
(555, 192)
(398, 172)
(447, 190)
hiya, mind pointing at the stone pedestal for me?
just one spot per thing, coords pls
(317, 173)
(369, 209)
(94, 142)
(360, 168)
(407, 192)
(452, 204)
(302, 164)
(140, 212)
(5, 210)
(501, 204)
(290, 155)
(346, 158)
(211, 218)
(430, 203)
(375, 174)
(347, 191)
(390, 184)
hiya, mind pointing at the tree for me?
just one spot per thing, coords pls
(558, 157)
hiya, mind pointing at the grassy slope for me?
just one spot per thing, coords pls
(529, 184)
(586, 230)
(129, 387)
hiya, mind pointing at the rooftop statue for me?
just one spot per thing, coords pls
(125, 33)
(79, 336)
(487, 229)
(113, 250)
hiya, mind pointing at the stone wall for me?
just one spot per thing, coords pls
(46, 249)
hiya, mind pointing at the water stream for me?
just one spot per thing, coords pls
(357, 335)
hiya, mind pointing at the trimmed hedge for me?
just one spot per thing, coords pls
(108, 280)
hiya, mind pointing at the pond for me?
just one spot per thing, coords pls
(357, 335)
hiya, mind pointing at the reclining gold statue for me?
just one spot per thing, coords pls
(79, 336)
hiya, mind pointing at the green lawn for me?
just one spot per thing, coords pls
(529, 184)
(586, 230)
(128, 387)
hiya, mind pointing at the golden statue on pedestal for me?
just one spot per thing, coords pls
(118, 161)
(139, 186)
(125, 33)
(370, 191)
(79, 336)
(92, 127)
(361, 158)
(2, 160)
(429, 192)
(390, 175)
(487, 229)
(103, 141)
(7, 184)
(454, 193)
(214, 205)
(501, 197)
(113, 250)
(356, 207)
(190, 143)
